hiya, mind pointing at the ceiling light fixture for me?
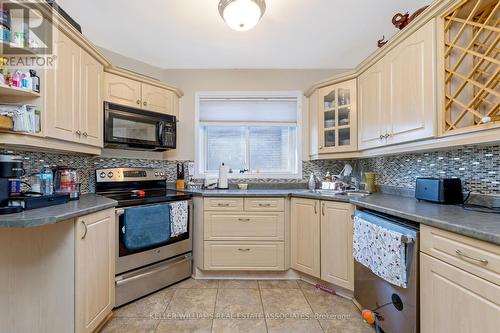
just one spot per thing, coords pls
(242, 15)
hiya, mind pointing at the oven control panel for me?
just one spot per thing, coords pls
(128, 174)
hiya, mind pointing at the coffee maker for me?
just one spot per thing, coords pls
(11, 167)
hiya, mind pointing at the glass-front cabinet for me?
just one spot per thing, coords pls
(337, 118)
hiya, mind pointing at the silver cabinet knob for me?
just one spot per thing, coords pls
(387, 135)
(138, 101)
(78, 132)
(145, 103)
(381, 137)
(85, 134)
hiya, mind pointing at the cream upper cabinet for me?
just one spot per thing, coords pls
(411, 96)
(62, 91)
(157, 99)
(371, 95)
(94, 269)
(121, 90)
(337, 262)
(453, 300)
(91, 117)
(305, 236)
(397, 95)
(337, 118)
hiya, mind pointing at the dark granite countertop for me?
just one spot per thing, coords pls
(88, 203)
(483, 226)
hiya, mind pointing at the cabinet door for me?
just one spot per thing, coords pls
(305, 236)
(371, 98)
(123, 91)
(91, 112)
(94, 269)
(157, 99)
(62, 104)
(452, 300)
(338, 118)
(337, 263)
(411, 87)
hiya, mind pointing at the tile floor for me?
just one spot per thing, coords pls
(234, 306)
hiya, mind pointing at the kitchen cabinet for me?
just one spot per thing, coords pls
(398, 93)
(305, 236)
(337, 118)
(459, 283)
(134, 93)
(453, 300)
(246, 234)
(94, 269)
(62, 90)
(121, 90)
(337, 262)
(73, 101)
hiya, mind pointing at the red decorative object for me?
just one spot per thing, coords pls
(402, 20)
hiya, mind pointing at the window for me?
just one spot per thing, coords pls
(255, 135)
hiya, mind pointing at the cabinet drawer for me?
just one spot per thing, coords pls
(265, 204)
(222, 204)
(244, 226)
(269, 256)
(474, 256)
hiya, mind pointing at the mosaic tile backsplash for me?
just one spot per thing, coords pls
(477, 166)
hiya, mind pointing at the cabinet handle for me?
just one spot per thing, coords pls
(461, 254)
(145, 103)
(320, 147)
(85, 134)
(243, 250)
(381, 137)
(323, 209)
(244, 220)
(138, 102)
(78, 132)
(86, 229)
(264, 205)
(387, 135)
(315, 208)
(223, 204)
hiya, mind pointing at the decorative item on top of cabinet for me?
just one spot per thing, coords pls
(402, 20)
(338, 118)
(471, 66)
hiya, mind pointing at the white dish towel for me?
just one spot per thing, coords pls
(179, 217)
(381, 250)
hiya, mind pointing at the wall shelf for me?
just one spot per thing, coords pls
(15, 91)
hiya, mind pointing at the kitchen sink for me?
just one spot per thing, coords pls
(333, 193)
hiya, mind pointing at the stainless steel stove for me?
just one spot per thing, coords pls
(148, 257)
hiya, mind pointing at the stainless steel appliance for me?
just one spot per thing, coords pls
(129, 128)
(143, 270)
(401, 315)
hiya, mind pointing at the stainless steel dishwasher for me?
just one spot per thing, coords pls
(371, 291)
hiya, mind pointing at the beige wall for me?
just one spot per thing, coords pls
(191, 81)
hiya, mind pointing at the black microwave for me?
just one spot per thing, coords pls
(130, 128)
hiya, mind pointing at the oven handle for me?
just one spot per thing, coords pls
(119, 211)
(153, 271)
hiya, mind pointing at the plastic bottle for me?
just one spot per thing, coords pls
(312, 182)
(46, 180)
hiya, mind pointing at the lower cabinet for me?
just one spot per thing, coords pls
(305, 236)
(94, 269)
(337, 262)
(453, 300)
(243, 234)
(321, 240)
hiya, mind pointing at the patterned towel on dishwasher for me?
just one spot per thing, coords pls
(179, 217)
(381, 250)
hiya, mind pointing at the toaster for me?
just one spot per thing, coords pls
(440, 190)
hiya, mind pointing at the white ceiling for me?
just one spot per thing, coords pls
(306, 34)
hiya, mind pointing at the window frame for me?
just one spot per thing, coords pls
(200, 138)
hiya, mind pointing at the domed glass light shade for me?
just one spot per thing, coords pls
(242, 15)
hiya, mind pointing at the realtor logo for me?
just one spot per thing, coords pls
(26, 33)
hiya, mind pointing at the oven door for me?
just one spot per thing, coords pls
(137, 129)
(135, 250)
